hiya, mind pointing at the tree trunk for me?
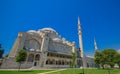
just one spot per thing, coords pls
(119, 65)
(19, 66)
(102, 66)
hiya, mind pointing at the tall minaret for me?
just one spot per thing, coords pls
(80, 37)
(81, 43)
(95, 45)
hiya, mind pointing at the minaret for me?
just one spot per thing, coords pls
(81, 43)
(80, 37)
(95, 45)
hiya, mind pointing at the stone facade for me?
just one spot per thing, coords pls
(90, 62)
(45, 49)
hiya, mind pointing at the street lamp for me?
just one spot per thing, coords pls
(82, 67)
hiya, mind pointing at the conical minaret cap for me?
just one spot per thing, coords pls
(95, 45)
(79, 26)
(78, 20)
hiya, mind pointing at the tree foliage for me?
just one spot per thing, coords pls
(1, 51)
(22, 54)
(117, 60)
(107, 57)
(73, 59)
(97, 58)
(6, 55)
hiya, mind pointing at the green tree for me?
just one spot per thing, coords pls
(73, 59)
(6, 55)
(108, 57)
(1, 51)
(117, 59)
(97, 58)
(22, 54)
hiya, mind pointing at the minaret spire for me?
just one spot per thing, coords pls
(95, 45)
(81, 44)
(80, 37)
(78, 20)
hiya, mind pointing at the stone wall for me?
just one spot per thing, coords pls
(10, 63)
(40, 43)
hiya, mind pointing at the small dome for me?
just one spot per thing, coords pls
(57, 39)
(31, 31)
(37, 50)
(32, 49)
(47, 29)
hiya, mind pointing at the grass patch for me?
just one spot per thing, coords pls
(68, 71)
(88, 71)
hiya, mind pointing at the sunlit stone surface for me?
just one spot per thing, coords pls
(45, 49)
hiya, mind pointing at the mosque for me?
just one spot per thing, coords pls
(47, 49)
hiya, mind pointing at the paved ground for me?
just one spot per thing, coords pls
(27, 69)
(52, 71)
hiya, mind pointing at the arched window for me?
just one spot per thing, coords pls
(37, 57)
(32, 44)
(31, 58)
(48, 61)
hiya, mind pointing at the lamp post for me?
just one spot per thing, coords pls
(108, 70)
(82, 67)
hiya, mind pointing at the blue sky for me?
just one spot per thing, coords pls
(99, 19)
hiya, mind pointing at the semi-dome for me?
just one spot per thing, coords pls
(47, 29)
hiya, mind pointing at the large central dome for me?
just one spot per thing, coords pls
(47, 29)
